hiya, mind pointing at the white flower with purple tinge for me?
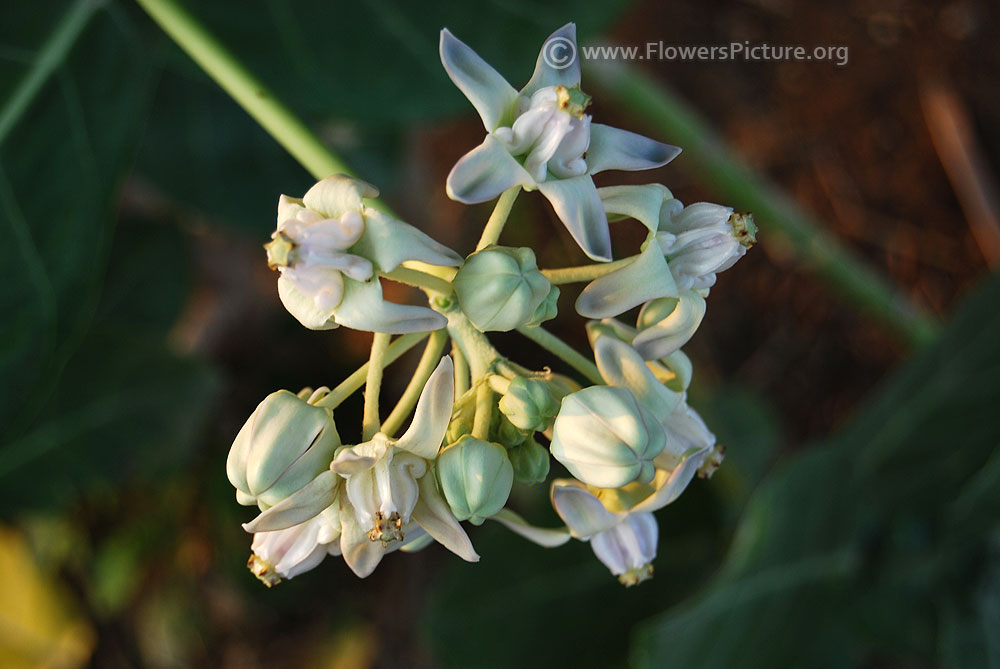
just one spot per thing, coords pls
(539, 138)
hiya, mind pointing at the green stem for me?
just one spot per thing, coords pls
(477, 349)
(781, 219)
(246, 89)
(484, 412)
(428, 362)
(49, 57)
(352, 383)
(564, 351)
(494, 226)
(418, 279)
(370, 422)
(584, 272)
(461, 370)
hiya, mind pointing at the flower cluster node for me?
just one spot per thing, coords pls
(481, 423)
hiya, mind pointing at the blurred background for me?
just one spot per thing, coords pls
(855, 520)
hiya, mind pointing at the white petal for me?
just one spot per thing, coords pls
(543, 536)
(485, 172)
(360, 553)
(363, 308)
(303, 307)
(583, 513)
(416, 540)
(304, 504)
(433, 412)
(559, 49)
(646, 278)
(338, 194)
(388, 242)
(642, 203)
(616, 149)
(670, 484)
(578, 206)
(486, 89)
(433, 514)
(349, 462)
(621, 365)
(629, 545)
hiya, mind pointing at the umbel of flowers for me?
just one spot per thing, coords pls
(477, 423)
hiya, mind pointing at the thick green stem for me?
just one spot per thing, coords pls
(477, 349)
(494, 226)
(49, 57)
(352, 383)
(781, 220)
(564, 351)
(418, 279)
(484, 411)
(428, 362)
(370, 422)
(584, 272)
(461, 370)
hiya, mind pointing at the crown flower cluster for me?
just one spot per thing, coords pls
(612, 437)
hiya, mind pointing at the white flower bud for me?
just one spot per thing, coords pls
(500, 288)
(606, 438)
(281, 448)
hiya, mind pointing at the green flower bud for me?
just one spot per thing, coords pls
(499, 288)
(507, 434)
(606, 438)
(531, 462)
(283, 446)
(475, 477)
(529, 404)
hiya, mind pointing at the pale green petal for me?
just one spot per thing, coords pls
(320, 493)
(338, 194)
(543, 536)
(432, 514)
(485, 172)
(559, 49)
(388, 242)
(583, 513)
(416, 540)
(433, 412)
(578, 206)
(486, 88)
(646, 278)
(643, 203)
(620, 365)
(363, 308)
(617, 149)
(662, 338)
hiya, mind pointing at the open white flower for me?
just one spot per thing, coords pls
(283, 554)
(540, 138)
(330, 249)
(685, 248)
(390, 487)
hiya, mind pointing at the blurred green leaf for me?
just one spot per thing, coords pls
(91, 390)
(842, 543)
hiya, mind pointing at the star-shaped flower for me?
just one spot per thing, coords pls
(539, 138)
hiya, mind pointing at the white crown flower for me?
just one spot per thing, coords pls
(389, 483)
(330, 248)
(280, 555)
(539, 138)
